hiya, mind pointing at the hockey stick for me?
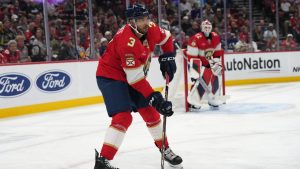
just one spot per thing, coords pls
(164, 125)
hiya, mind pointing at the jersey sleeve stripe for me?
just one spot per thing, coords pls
(218, 47)
(168, 34)
(201, 53)
(193, 51)
(134, 75)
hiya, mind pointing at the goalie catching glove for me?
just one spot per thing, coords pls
(167, 64)
(160, 104)
(216, 66)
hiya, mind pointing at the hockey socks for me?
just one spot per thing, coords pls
(115, 134)
(154, 124)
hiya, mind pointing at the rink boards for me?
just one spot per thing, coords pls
(33, 88)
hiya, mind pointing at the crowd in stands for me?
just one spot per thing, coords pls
(22, 33)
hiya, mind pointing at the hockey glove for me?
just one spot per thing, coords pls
(216, 67)
(167, 64)
(160, 104)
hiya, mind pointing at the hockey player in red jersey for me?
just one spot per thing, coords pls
(121, 77)
(206, 46)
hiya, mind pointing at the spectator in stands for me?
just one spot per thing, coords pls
(262, 24)
(8, 34)
(242, 45)
(285, 7)
(84, 37)
(81, 50)
(30, 31)
(258, 37)
(186, 24)
(219, 18)
(38, 47)
(231, 41)
(234, 28)
(185, 6)
(244, 32)
(104, 43)
(67, 50)
(270, 38)
(24, 57)
(96, 50)
(108, 35)
(208, 12)
(194, 29)
(2, 44)
(195, 12)
(12, 54)
(288, 43)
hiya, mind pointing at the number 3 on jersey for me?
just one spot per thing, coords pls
(131, 42)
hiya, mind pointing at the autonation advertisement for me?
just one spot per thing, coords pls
(261, 65)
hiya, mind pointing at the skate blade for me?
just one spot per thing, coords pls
(214, 108)
(179, 166)
(194, 110)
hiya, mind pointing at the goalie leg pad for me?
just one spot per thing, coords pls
(201, 90)
(215, 84)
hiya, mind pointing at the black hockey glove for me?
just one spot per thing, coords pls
(167, 64)
(160, 104)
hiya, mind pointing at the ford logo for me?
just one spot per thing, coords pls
(13, 84)
(53, 81)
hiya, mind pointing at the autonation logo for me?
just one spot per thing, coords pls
(53, 81)
(254, 64)
(13, 84)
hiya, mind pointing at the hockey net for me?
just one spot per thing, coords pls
(180, 86)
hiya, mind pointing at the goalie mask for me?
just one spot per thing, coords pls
(206, 27)
(138, 18)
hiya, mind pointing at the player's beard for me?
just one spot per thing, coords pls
(143, 29)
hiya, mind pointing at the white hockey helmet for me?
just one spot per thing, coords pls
(206, 27)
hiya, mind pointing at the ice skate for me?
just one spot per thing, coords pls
(193, 108)
(213, 106)
(102, 163)
(174, 160)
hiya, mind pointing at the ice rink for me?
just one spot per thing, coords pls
(258, 128)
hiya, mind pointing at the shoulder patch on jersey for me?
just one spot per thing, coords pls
(151, 24)
(198, 36)
(130, 62)
(214, 33)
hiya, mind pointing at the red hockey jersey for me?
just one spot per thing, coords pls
(127, 58)
(205, 48)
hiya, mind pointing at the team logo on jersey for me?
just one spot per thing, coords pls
(209, 53)
(53, 81)
(14, 84)
(130, 61)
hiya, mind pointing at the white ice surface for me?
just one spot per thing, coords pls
(258, 128)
